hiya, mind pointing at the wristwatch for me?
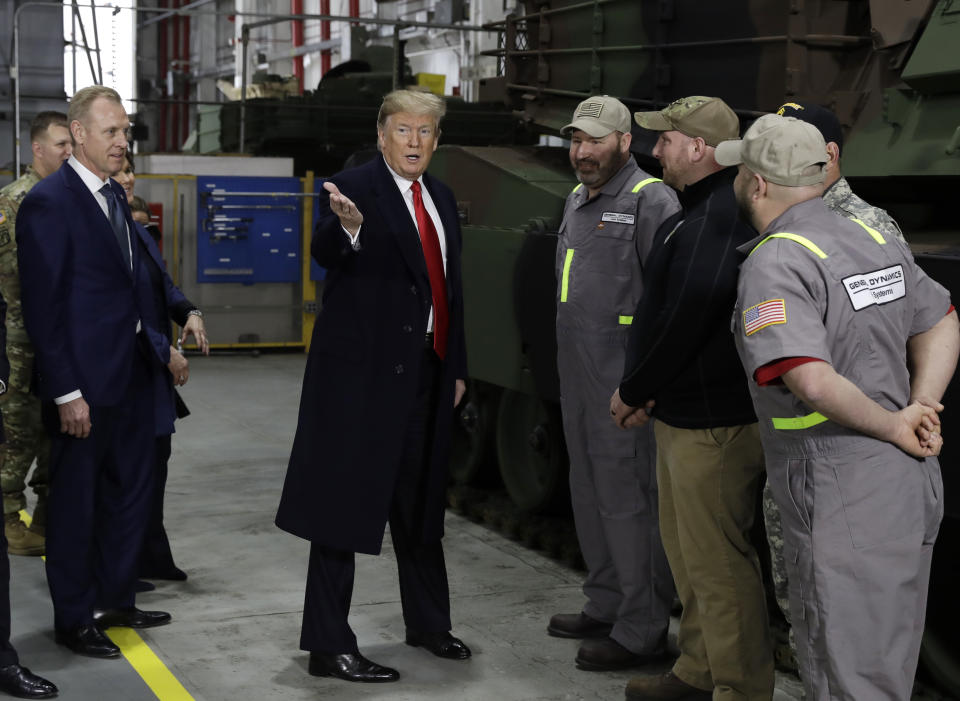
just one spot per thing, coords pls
(195, 312)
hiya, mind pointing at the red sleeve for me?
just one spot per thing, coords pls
(950, 310)
(770, 373)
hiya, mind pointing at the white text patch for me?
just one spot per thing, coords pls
(618, 217)
(878, 287)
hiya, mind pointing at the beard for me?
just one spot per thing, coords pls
(598, 173)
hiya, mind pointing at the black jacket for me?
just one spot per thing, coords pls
(681, 352)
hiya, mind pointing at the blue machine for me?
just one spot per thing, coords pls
(247, 237)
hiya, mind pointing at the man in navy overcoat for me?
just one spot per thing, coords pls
(386, 367)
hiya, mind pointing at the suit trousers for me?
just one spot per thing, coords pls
(424, 592)
(100, 489)
(156, 558)
(709, 479)
(8, 655)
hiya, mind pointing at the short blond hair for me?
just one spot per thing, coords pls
(84, 98)
(412, 101)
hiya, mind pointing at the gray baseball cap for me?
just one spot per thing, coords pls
(599, 116)
(783, 150)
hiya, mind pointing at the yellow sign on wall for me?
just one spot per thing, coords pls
(435, 82)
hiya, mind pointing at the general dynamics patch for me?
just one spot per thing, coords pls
(878, 287)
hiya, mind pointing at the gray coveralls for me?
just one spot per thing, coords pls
(859, 515)
(612, 472)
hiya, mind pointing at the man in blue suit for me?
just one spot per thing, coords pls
(78, 269)
(386, 367)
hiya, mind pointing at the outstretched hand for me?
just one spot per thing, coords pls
(344, 208)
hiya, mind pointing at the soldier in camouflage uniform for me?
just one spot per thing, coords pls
(26, 439)
(840, 198)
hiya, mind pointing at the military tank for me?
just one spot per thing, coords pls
(889, 69)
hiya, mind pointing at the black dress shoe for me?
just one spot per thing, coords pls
(21, 682)
(440, 644)
(87, 640)
(132, 618)
(353, 667)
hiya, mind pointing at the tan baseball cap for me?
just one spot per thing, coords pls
(783, 150)
(707, 117)
(599, 116)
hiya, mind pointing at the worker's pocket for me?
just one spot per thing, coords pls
(881, 490)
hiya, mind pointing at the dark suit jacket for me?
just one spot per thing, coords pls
(80, 306)
(163, 302)
(362, 370)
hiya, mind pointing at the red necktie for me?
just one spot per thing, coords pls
(434, 259)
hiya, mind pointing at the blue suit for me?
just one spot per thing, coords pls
(168, 303)
(81, 305)
(162, 302)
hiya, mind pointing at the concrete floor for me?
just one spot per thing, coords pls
(237, 619)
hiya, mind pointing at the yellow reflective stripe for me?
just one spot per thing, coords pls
(873, 232)
(643, 183)
(579, 185)
(565, 282)
(805, 242)
(626, 320)
(798, 422)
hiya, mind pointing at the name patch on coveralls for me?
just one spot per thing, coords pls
(618, 217)
(878, 287)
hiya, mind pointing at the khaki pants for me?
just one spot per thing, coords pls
(708, 481)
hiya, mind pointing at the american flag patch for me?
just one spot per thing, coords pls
(773, 311)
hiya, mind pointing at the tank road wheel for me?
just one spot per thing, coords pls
(531, 452)
(472, 443)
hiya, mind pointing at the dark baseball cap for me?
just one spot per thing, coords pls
(820, 117)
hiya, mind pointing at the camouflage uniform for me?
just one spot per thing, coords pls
(840, 199)
(26, 438)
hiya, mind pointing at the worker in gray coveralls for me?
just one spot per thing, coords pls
(849, 347)
(608, 225)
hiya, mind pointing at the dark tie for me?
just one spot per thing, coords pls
(117, 222)
(434, 259)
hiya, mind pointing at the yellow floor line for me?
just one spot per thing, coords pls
(150, 667)
(143, 660)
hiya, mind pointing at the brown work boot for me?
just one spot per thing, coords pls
(20, 539)
(577, 625)
(604, 654)
(665, 687)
